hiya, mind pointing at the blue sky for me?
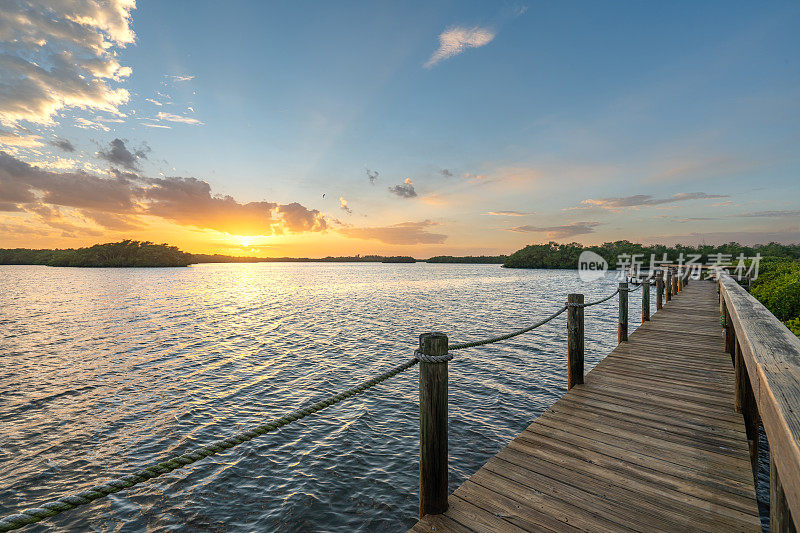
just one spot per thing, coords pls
(569, 121)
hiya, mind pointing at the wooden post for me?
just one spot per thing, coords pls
(752, 422)
(728, 326)
(673, 275)
(668, 284)
(574, 341)
(433, 487)
(646, 300)
(622, 331)
(659, 289)
(740, 377)
(780, 517)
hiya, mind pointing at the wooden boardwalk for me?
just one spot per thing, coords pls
(650, 442)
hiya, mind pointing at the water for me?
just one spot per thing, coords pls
(107, 370)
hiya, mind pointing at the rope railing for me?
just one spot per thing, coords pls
(72, 501)
(598, 301)
(490, 340)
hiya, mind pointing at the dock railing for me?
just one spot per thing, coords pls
(766, 356)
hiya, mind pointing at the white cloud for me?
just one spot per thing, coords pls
(180, 78)
(90, 124)
(157, 126)
(9, 139)
(509, 213)
(60, 163)
(643, 200)
(178, 118)
(60, 53)
(456, 39)
(559, 232)
(154, 102)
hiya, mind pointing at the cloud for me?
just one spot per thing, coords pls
(476, 177)
(343, 205)
(178, 118)
(643, 200)
(510, 213)
(771, 214)
(87, 124)
(456, 39)
(189, 202)
(372, 175)
(112, 221)
(118, 154)
(15, 230)
(22, 183)
(695, 219)
(405, 233)
(64, 144)
(559, 232)
(61, 53)
(157, 126)
(54, 218)
(61, 163)
(11, 139)
(154, 102)
(297, 218)
(404, 190)
(117, 202)
(179, 78)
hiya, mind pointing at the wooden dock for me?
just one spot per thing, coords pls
(650, 442)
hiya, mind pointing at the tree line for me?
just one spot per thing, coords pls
(127, 253)
(565, 255)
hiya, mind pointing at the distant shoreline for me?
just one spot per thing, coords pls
(138, 254)
(130, 253)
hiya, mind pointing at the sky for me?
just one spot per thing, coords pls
(397, 128)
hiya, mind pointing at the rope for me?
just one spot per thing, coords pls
(432, 358)
(66, 503)
(602, 300)
(507, 335)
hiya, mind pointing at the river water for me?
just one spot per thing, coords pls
(104, 371)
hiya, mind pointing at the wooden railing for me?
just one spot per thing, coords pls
(766, 356)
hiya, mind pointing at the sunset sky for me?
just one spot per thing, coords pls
(428, 128)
